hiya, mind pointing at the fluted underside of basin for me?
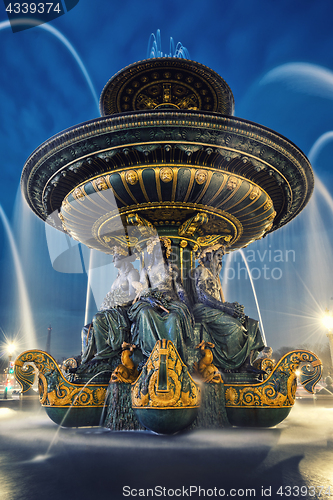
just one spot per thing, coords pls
(230, 206)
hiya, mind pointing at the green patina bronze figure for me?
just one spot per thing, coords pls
(236, 337)
(161, 310)
(110, 327)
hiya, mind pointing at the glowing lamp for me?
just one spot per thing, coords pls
(327, 321)
(11, 348)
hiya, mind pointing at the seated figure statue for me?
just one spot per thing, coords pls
(237, 338)
(161, 310)
(110, 326)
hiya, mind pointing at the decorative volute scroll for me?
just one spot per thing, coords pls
(54, 389)
(279, 388)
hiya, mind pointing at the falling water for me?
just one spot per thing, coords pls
(255, 295)
(319, 246)
(69, 409)
(226, 267)
(64, 40)
(225, 281)
(69, 46)
(313, 155)
(24, 306)
(89, 271)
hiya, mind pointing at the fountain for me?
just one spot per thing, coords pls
(168, 175)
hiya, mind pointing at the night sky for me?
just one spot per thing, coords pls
(277, 57)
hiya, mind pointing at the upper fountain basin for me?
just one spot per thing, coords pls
(168, 150)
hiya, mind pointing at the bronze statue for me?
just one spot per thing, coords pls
(110, 327)
(161, 310)
(236, 337)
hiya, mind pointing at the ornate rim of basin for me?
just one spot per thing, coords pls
(178, 140)
(166, 152)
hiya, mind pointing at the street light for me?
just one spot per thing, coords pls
(327, 321)
(11, 348)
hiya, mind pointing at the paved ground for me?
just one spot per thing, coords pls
(40, 461)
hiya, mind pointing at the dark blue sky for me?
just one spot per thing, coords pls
(278, 59)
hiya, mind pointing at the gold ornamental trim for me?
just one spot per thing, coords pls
(76, 406)
(54, 389)
(171, 165)
(165, 382)
(175, 167)
(278, 389)
(98, 231)
(166, 407)
(85, 222)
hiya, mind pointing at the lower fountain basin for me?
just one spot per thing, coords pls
(166, 421)
(75, 417)
(256, 417)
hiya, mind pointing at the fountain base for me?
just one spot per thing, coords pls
(165, 398)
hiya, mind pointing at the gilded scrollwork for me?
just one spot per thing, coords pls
(233, 183)
(264, 364)
(189, 227)
(165, 381)
(214, 225)
(100, 184)
(54, 388)
(279, 388)
(123, 240)
(63, 223)
(212, 239)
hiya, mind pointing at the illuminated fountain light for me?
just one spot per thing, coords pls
(24, 304)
